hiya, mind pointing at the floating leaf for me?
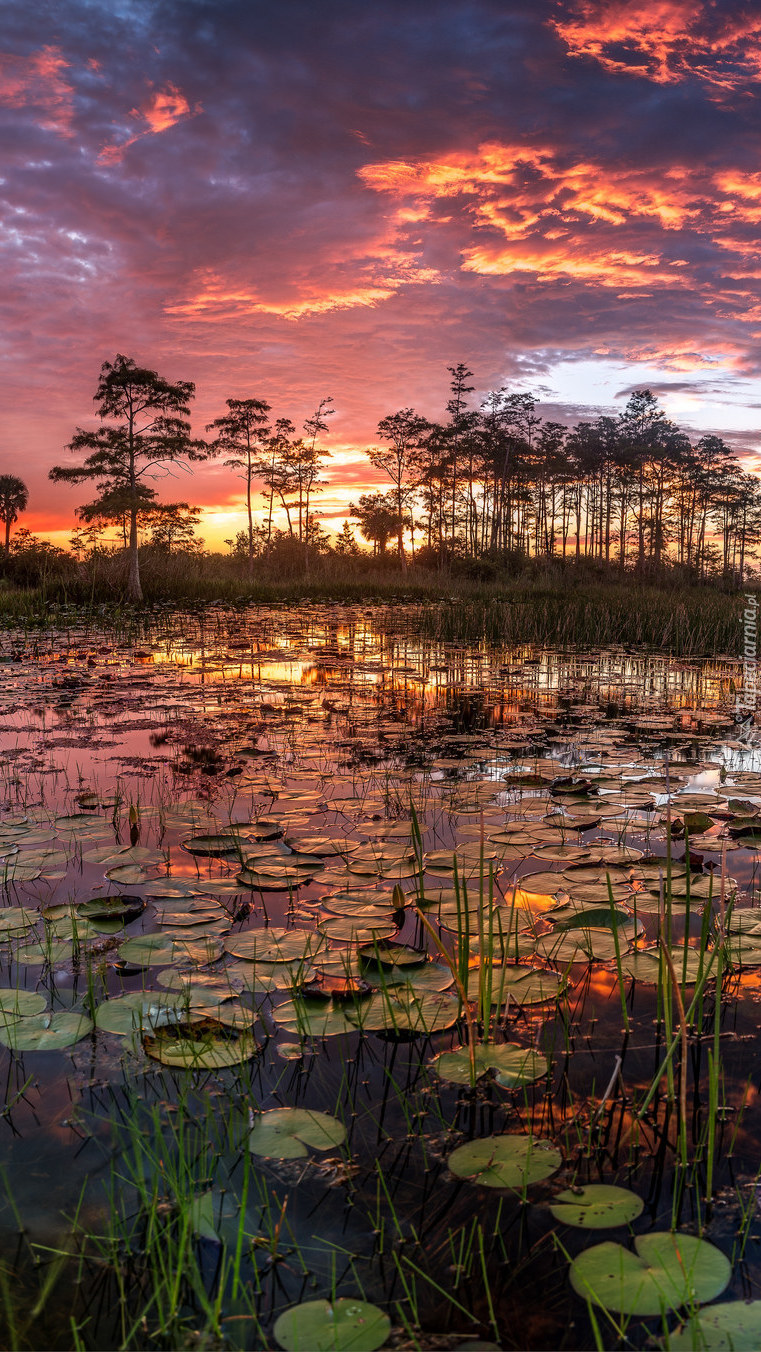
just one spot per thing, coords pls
(505, 1161)
(14, 920)
(314, 1018)
(734, 1327)
(202, 1045)
(598, 1206)
(343, 1325)
(275, 945)
(121, 908)
(383, 954)
(39, 954)
(515, 1065)
(285, 1133)
(401, 1009)
(667, 1271)
(212, 846)
(17, 1004)
(141, 1011)
(45, 1032)
(201, 1213)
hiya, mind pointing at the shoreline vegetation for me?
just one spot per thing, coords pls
(498, 527)
(558, 605)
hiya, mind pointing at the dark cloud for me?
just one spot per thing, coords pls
(298, 199)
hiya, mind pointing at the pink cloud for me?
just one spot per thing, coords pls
(38, 82)
(163, 110)
(668, 41)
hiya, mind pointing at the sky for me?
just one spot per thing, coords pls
(344, 198)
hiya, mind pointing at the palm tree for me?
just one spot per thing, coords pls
(14, 496)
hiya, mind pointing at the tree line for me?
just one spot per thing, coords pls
(497, 482)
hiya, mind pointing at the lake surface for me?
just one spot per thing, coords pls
(228, 845)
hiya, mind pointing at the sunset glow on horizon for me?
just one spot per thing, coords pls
(344, 200)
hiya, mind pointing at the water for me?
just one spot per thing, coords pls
(310, 737)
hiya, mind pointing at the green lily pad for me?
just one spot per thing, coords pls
(141, 1011)
(515, 1065)
(14, 920)
(667, 1271)
(147, 950)
(314, 1018)
(579, 945)
(212, 846)
(332, 1326)
(201, 1212)
(358, 930)
(120, 908)
(285, 1133)
(401, 1009)
(645, 965)
(39, 954)
(204, 1044)
(598, 1206)
(505, 1161)
(18, 1004)
(45, 1032)
(734, 1327)
(384, 954)
(275, 945)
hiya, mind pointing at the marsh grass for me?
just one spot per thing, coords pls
(562, 607)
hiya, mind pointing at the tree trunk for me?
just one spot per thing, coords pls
(134, 590)
(249, 473)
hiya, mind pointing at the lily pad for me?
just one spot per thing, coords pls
(18, 1004)
(400, 1009)
(314, 1018)
(343, 1325)
(112, 908)
(285, 1133)
(734, 1327)
(141, 1011)
(384, 954)
(275, 945)
(14, 920)
(212, 846)
(45, 1032)
(667, 1271)
(515, 1065)
(202, 1045)
(598, 1206)
(505, 1161)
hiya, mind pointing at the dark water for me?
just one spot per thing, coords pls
(339, 723)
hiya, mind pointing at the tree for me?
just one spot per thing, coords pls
(405, 430)
(145, 429)
(377, 517)
(115, 505)
(345, 542)
(173, 526)
(14, 496)
(242, 431)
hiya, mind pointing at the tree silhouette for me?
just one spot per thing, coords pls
(405, 431)
(378, 519)
(242, 432)
(14, 496)
(145, 431)
(173, 527)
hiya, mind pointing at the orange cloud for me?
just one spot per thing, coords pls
(37, 81)
(665, 40)
(533, 210)
(163, 110)
(376, 278)
(216, 300)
